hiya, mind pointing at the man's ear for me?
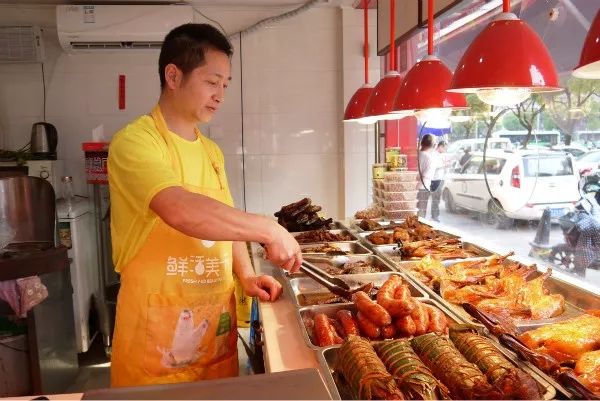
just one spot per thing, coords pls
(173, 76)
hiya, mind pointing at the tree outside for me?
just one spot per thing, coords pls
(574, 108)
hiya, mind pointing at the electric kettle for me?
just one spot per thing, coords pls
(44, 139)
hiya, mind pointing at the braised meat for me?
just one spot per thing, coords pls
(359, 267)
(301, 216)
(321, 235)
(369, 225)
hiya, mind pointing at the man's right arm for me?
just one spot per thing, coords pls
(202, 217)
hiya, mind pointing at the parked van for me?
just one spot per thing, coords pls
(455, 150)
(522, 183)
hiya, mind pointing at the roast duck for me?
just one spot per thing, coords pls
(494, 285)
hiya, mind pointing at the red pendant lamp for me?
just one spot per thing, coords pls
(505, 63)
(589, 62)
(424, 89)
(355, 110)
(381, 102)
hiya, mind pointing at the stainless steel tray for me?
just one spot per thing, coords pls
(327, 358)
(351, 248)
(330, 310)
(300, 287)
(376, 261)
(364, 234)
(390, 253)
(576, 299)
(336, 231)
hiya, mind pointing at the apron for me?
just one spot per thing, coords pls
(176, 317)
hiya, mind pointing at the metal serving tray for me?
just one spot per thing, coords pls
(364, 234)
(330, 310)
(576, 299)
(351, 248)
(300, 287)
(327, 358)
(337, 231)
(375, 261)
(390, 253)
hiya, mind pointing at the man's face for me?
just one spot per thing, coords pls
(202, 90)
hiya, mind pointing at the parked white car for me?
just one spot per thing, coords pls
(522, 183)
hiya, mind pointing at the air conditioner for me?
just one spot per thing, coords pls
(115, 28)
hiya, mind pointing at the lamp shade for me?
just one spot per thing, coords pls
(357, 105)
(382, 99)
(507, 55)
(589, 62)
(425, 87)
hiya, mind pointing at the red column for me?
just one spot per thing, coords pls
(403, 133)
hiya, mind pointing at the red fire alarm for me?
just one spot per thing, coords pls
(121, 92)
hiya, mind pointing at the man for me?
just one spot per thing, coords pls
(428, 163)
(177, 240)
(465, 158)
(437, 182)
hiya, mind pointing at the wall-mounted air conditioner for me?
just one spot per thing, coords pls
(114, 28)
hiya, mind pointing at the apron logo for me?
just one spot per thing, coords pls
(186, 340)
(207, 243)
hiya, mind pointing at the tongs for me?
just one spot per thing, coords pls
(336, 285)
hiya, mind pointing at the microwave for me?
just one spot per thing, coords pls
(49, 170)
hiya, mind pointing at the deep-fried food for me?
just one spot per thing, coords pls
(566, 341)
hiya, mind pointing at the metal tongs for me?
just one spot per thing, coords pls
(336, 285)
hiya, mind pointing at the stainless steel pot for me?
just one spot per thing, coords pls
(28, 205)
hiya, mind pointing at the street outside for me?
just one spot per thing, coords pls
(517, 238)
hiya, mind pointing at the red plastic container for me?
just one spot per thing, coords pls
(96, 159)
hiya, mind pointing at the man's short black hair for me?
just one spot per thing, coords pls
(186, 45)
(442, 144)
(427, 141)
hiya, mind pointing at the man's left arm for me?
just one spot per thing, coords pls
(265, 287)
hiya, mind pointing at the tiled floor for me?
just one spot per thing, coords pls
(94, 366)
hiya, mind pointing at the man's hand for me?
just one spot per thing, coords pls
(264, 287)
(283, 249)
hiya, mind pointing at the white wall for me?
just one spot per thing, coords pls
(296, 79)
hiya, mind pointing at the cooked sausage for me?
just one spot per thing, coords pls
(386, 297)
(437, 320)
(375, 312)
(324, 332)
(421, 318)
(388, 331)
(348, 322)
(405, 325)
(367, 327)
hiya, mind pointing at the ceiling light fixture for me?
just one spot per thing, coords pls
(424, 89)
(589, 62)
(382, 99)
(506, 63)
(355, 110)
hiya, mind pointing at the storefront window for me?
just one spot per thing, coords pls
(542, 155)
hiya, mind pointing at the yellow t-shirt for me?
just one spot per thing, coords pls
(139, 166)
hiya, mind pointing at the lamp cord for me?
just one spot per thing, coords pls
(366, 44)
(430, 27)
(392, 35)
